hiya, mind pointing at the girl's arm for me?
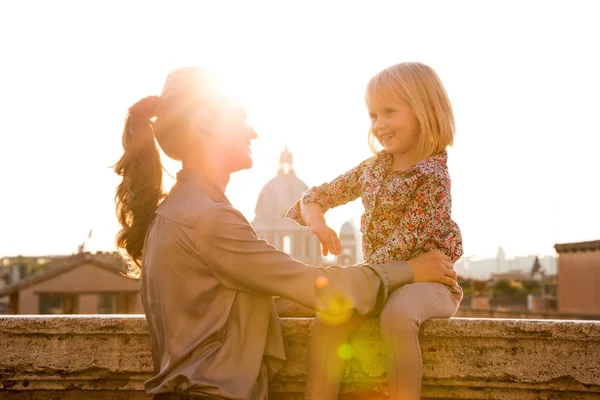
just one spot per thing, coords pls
(427, 223)
(310, 210)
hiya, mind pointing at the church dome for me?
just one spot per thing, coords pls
(281, 192)
(348, 227)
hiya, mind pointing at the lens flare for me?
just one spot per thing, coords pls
(344, 352)
(335, 310)
(321, 282)
(333, 307)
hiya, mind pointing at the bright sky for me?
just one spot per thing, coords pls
(522, 76)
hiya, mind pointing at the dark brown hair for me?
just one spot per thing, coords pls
(140, 191)
(173, 120)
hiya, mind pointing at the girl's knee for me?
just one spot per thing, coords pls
(398, 317)
(415, 303)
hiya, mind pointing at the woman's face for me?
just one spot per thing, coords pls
(232, 136)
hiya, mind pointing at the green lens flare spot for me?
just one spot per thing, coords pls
(344, 352)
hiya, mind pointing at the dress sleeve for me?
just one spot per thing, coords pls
(341, 190)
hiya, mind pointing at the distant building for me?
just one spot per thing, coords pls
(270, 223)
(579, 277)
(483, 269)
(514, 276)
(81, 284)
(349, 254)
(13, 269)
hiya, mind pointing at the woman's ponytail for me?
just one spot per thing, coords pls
(140, 191)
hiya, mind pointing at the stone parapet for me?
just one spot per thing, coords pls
(107, 357)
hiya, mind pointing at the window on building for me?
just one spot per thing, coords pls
(50, 304)
(307, 246)
(287, 244)
(107, 303)
(115, 303)
(58, 303)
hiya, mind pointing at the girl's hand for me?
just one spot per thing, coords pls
(433, 266)
(328, 238)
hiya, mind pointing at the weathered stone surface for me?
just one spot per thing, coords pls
(468, 312)
(107, 357)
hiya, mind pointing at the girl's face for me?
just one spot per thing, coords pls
(395, 126)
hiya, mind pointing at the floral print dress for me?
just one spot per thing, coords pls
(407, 212)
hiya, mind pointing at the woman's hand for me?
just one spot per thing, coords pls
(328, 238)
(433, 266)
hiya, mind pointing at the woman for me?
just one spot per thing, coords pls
(207, 279)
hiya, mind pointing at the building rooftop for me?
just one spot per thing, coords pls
(593, 245)
(109, 261)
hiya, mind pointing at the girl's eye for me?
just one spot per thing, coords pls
(372, 116)
(389, 111)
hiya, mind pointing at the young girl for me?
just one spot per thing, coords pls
(405, 190)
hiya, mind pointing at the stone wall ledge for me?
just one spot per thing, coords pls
(107, 357)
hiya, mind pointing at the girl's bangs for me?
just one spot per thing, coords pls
(382, 88)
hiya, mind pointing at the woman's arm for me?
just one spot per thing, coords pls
(229, 247)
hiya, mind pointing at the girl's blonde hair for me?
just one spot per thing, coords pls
(420, 87)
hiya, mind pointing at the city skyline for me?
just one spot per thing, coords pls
(523, 166)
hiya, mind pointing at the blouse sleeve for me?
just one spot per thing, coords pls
(427, 223)
(341, 190)
(229, 247)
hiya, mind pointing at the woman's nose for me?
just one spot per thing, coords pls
(252, 133)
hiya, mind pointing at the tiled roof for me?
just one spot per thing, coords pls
(111, 263)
